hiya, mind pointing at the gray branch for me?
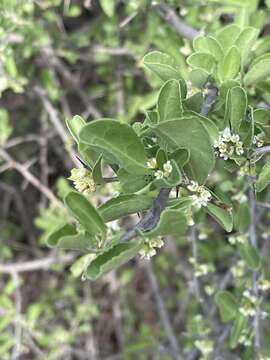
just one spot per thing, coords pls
(169, 15)
(150, 220)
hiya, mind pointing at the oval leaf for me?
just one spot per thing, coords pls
(222, 216)
(124, 205)
(264, 178)
(119, 140)
(169, 101)
(250, 255)
(112, 258)
(227, 305)
(85, 213)
(178, 134)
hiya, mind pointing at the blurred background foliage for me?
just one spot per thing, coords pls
(61, 58)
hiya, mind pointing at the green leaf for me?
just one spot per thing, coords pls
(85, 213)
(227, 305)
(231, 64)
(124, 205)
(75, 125)
(194, 102)
(80, 241)
(180, 156)
(169, 101)
(132, 183)
(237, 329)
(63, 230)
(259, 70)
(164, 66)
(245, 41)
(242, 217)
(198, 77)
(261, 116)
(97, 172)
(227, 36)
(207, 123)
(80, 264)
(209, 45)
(172, 222)
(108, 6)
(112, 258)
(250, 255)
(119, 141)
(263, 178)
(202, 60)
(178, 134)
(236, 107)
(222, 216)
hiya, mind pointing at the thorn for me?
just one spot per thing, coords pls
(83, 163)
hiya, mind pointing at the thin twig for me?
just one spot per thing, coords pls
(168, 14)
(253, 240)
(56, 121)
(163, 314)
(30, 177)
(35, 265)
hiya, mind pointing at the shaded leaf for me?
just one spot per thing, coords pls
(250, 255)
(119, 141)
(263, 178)
(61, 231)
(85, 213)
(227, 305)
(112, 258)
(237, 329)
(222, 216)
(178, 132)
(172, 222)
(236, 107)
(124, 205)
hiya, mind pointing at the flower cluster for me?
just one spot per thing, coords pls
(148, 250)
(160, 174)
(82, 180)
(201, 269)
(206, 347)
(228, 144)
(239, 239)
(239, 269)
(201, 195)
(245, 338)
(248, 307)
(263, 284)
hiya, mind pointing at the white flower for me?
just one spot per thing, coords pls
(201, 195)
(159, 174)
(264, 284)
(228, 144)
(167, 167)
(259, 140)
(148, 250)
(193, 186)
(205, 346)
(226, 134)
(151, 163)
(82, 180)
